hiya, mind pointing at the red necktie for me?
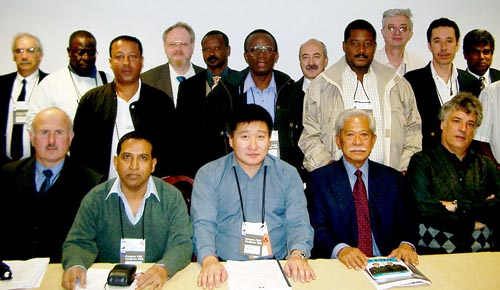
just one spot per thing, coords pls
(363, 216)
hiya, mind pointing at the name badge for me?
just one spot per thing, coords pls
(255, 241)
(274, 145)
(132, 251)
(20, 113)
(364, 105)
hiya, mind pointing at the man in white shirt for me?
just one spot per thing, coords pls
(65, 87)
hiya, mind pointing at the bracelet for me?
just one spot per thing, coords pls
(299, 254)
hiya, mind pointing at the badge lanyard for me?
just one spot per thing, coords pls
(263, 194)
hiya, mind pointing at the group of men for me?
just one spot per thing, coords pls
(251, 139)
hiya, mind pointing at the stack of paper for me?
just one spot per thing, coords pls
(256, 274)
(25, 274)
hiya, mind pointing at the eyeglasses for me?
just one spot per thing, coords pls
(393, 28)
(178, 43)
(211, 49)
(30, 50)
(256, 50)
(88, 52)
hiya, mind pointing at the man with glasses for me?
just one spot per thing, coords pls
(397, 30)
(178, 42)
(65, 87)
(16, 90)
(356, 81)
(259, 84)
(191, 107)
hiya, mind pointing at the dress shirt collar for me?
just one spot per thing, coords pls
(29, 79)
(486, 75)
(174, 74)
(116, 189)
(40, 177)
(351, 169)
(266, 163)
(249, 83)
(306, 84)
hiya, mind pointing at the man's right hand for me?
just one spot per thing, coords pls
(352, 258)
(212, 274)
(71, 277)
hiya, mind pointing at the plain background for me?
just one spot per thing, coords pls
(291, 22)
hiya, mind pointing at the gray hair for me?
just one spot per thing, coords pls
(466, 102)
(26, 34)
(325, 52)
(179, 25)
(351, 113)
(396, 12)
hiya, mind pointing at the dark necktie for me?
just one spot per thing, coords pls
(181, 78)
(483, 83)
(215, 81)
(363, 215)
(16, 143)
(46, 183)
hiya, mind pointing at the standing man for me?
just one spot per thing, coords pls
(135, 218)
(178, 42)
(440, 80)
(16, 90)
(65, 87)
(313, 59)
(457, 190)
(192, 111)
(397, 30)
(247, 196)
(356, 81)
(259, 84)
(108, 112)
(479, 46)
(41, 194)
(487, 136)
(359, 207)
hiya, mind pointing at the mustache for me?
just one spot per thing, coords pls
(312, 66)
(25, 62)
(51, 146)
(358, 149)
(212, 58)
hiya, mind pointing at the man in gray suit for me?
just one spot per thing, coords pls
(178, 42)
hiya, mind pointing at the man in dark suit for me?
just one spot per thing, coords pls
(478, 49)
(178, 42)
(14, 96)
(440, 80)
(41, 194)
(359, 207)
(313, 59)
(191, 110)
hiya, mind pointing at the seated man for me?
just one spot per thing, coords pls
(133, 218)
(41, 194)
(250, 195)
(346, 225)
(457, 191)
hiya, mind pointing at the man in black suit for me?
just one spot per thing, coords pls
(313, 59)
(191, 110)
(14, 96)
(359, 207)
(41, 194)
(178, 42)
(479, 46)
(440, 80)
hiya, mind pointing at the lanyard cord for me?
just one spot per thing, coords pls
(263, 194)
(78, 94)
(121, 221)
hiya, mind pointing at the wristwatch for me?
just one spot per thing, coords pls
(299, 254)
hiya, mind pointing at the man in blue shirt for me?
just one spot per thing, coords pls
(249, 204)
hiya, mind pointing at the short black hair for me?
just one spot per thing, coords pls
(134, 135)
(217, 32)
(256, 31)
(247, 114)
(478, 36)
(127, 38)
(80, 33)
(442, 22)
(362, 25)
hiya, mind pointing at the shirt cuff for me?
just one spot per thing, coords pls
(336, 250)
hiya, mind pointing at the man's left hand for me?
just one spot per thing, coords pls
(406, 253)
(298, 269)
(155, 277)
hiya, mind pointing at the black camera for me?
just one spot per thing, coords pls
(122, 275)
(5, 272)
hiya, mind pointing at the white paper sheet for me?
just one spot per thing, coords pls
(25, 274)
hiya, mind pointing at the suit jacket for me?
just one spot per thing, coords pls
(428, 103)
(94, 124)
(193, 115)
(36, 224)
(494, 75)
(333, 214)
(6, 84)
(159, 77)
